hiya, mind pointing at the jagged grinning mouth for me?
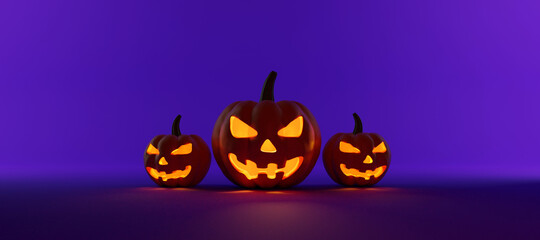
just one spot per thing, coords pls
(251, 171)
(366, 175)
(164, 176)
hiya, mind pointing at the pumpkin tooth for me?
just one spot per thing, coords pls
(252, 168)
(271, 170)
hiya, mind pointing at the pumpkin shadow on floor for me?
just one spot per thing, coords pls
(291, 189)
(232, 189)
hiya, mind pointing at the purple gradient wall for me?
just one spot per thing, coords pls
(452, 85)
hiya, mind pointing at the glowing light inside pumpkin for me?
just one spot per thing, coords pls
(164, 176)
(240, 129)
(152, 150)
(366, 175)
(251, 171)
(183, 150)
(163, 161)
(293, 129)
(268, 147)
(368, 160)
(381, 148)
(347, 147)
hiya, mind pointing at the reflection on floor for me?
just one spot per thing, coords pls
(488, 209)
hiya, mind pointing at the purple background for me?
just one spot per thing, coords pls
(452, 85)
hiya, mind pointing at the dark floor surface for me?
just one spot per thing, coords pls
(487, 209)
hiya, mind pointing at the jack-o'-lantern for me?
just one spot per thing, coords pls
(177, 160)
(356, 159)
(266, 144)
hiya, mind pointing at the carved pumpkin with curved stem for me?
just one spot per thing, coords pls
(177, 160)
(266, 144)
(356, 159)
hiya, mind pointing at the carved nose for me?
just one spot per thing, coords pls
(162, 161)
(368, 160)
(268, 147)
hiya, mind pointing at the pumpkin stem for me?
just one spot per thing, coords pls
(176, 126)
(357, 124)
(268, 89)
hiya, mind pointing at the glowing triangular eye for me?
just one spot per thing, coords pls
(381, 148)
(183, 150)
(347, 147)
(293, 129)
(240, 129)
(152, 150)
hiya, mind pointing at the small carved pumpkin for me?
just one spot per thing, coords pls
(177, 160)
(356, 159)
(266, 144)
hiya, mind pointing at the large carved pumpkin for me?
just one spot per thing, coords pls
(266, 144)
(177, 160)
(356, 159)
